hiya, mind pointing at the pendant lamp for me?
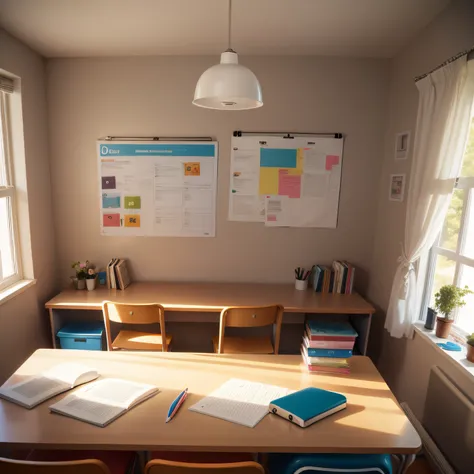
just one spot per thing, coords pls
(228, 85)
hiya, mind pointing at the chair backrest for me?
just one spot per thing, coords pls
(87, 466)
(251, 316)
(133, 314)
(158, 466)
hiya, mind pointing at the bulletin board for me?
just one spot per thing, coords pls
(157, 189)
(286, 181)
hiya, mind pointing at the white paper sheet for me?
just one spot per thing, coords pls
(240, 401)
(315, 185)
(304, 172)
(151, 188)
(277, 211)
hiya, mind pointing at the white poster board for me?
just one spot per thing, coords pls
(157, 188)
(291, 182)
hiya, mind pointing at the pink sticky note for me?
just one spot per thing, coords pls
(111, 220)
(271, 218)
(331, 160)
(289, 184)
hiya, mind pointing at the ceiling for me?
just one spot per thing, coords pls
(84, 28)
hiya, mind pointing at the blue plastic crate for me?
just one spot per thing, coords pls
(87, 335)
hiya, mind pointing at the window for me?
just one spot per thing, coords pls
(452, 257)
(10, 271)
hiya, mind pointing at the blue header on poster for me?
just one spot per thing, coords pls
(112, 150)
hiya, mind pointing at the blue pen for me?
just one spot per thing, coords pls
(176, 404)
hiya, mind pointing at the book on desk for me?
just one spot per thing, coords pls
(117, 274)
(35, 389)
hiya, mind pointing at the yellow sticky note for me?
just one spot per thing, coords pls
(131, 220)
(299, 160)
(268, 181)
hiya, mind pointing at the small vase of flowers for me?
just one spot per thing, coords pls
(79, 280)
(91, 278)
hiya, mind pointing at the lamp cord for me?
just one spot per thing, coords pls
(230, 25)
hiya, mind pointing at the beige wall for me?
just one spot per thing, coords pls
(91, 98)
(23, 320)
(406, 364)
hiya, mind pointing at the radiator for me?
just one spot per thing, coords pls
(434, 456)
(449, 419)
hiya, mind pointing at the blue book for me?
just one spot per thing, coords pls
(331, 328)
(317, 271)
(337, 353)
(307, 406)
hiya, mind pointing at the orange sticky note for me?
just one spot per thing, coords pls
(132, 220)
(192, 169)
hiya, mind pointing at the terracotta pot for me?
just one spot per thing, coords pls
(443, 327)
(470, 353)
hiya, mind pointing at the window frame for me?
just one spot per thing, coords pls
(9, 191)
(466, 183)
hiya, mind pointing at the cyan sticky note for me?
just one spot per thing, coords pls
(278, 157)
(110, 201)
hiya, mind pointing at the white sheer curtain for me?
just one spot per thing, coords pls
(444, 109)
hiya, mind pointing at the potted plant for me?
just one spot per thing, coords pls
(447, 299)
(470, 348)
(79, 280)
(91, 278)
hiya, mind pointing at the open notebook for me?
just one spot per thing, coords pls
(36, 389)
(104, 401)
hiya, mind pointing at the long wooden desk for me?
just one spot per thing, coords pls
(212, 298)
(373, 422)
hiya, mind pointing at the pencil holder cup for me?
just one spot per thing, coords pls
(301, 284)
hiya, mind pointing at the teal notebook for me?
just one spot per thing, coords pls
(307, 406)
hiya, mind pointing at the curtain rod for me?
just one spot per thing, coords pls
(238, 133)
(159, 139)
(448, 61)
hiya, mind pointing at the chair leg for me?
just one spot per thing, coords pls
(406, 460)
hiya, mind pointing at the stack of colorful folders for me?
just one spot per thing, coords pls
(327, 346)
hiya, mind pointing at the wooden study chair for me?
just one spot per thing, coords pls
(89, 466)
(71, 462)
(160, 466)
(136, 314)
(249, 317)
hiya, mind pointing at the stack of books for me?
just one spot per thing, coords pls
(327, 346)
(336, 279)
(118, 276)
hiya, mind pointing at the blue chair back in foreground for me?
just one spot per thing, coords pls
(329, 463)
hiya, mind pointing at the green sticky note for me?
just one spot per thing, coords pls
(132, 202)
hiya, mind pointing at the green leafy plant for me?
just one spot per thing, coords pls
(470, 339)
(450, 297)
(81, 269)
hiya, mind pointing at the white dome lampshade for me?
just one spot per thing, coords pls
(228, 86)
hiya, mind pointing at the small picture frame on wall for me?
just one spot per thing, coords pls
(397, 187)
(402, 145)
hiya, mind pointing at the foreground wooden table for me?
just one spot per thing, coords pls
(372, 423)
